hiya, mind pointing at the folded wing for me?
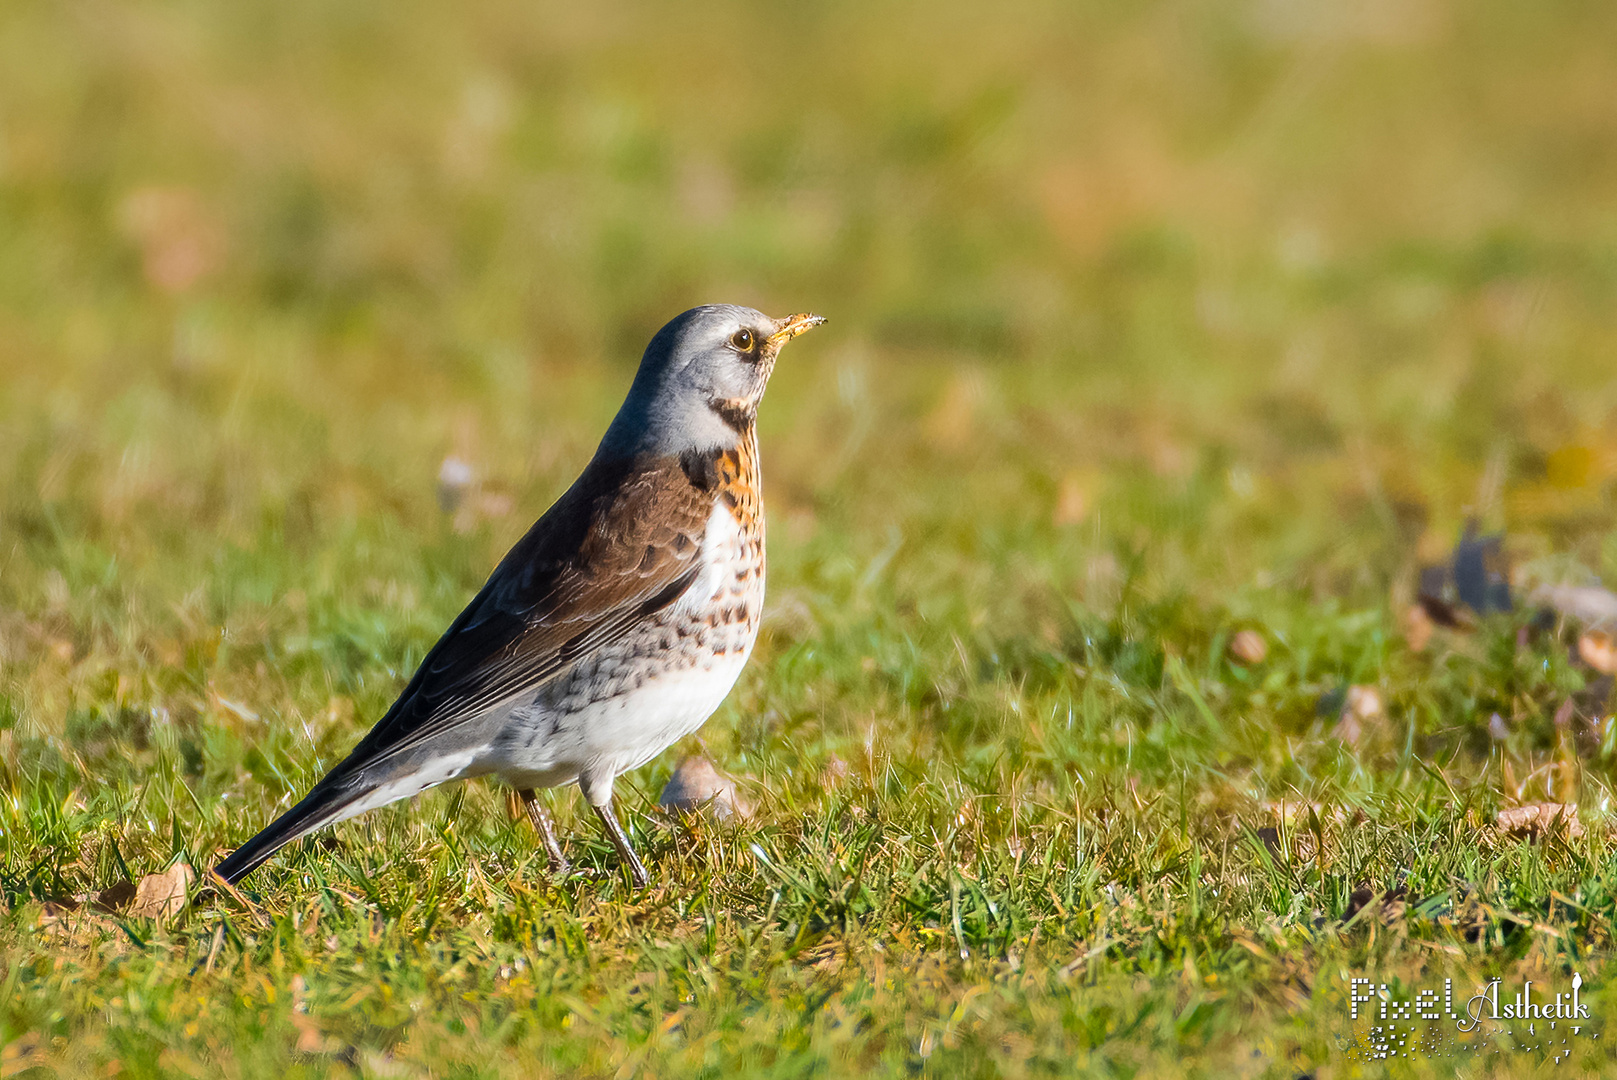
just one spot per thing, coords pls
(620, 545)
(624, 542)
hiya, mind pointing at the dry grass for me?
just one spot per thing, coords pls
(1151, 325)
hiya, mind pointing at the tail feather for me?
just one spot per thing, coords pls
(326, 803)
(348, 790)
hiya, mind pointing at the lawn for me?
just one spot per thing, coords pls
(1092, 729)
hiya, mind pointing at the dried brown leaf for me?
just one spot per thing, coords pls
(1393, 904)
(162, 896)
(116, 897)
(1365, 702)
(697, 786)
(1418, 627)
(1248, 647)
(1599, 650)
(1072, 500)
(1536, 819)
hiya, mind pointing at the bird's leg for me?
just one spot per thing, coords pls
(546, 830)
(620, 840)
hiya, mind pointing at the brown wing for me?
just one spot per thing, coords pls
(621, 544)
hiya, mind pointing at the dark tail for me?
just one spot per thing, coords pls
(323, 805)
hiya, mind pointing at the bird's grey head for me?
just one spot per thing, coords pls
(701, 379)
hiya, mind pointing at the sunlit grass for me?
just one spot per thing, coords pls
(1149, 324)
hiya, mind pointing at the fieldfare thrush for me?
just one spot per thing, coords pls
(615, 627)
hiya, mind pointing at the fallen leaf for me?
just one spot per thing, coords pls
(162, 896)
(1536, 819)
(1072, 500)
(1249, 647)
(1393, 902)
(22, 1054)
(54, 911)
(1589, 604)
(1364, 702)
(1418, 627)
(697, 786)
(1597, 649)
(116, 897)
(1361, 709)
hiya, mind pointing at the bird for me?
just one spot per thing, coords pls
(614, 628)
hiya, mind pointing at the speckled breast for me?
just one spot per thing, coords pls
(661, 681)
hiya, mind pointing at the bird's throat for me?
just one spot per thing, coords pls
(738, 415)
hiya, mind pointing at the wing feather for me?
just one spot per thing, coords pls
(623, 543)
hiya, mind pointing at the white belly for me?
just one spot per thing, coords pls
(622, 733)
(619, 709)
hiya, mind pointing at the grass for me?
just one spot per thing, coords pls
(1149, 324)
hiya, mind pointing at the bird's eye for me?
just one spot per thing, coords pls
(743, 340)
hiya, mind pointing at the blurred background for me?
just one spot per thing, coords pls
(1168, 342)
(307, 310)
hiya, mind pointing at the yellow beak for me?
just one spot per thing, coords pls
(791, 326)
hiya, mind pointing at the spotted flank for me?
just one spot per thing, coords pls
(617, 625)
